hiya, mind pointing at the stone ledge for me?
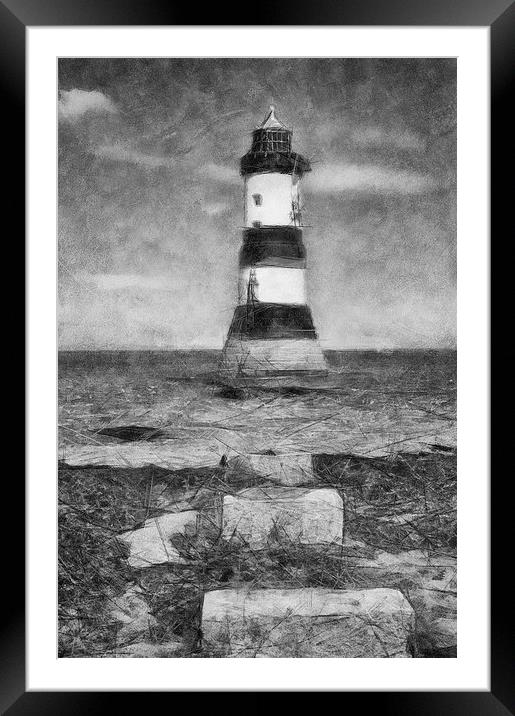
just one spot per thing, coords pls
(307, 623)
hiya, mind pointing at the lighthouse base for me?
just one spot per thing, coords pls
(272, 358)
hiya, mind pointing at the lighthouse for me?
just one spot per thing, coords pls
(272, 334)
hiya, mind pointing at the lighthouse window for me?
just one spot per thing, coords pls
(258, 199)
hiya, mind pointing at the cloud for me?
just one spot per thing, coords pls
(119, 153)
(117, 282)
(220, 173)
(215, 208)
(217, 173)
(334, 178)
(75, 103)
(378, 137)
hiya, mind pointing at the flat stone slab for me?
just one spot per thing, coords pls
(307, 623)
(290, 469)
(263, 516)
(169, 454)
(151, 544)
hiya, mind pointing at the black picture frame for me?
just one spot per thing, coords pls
(499, 15)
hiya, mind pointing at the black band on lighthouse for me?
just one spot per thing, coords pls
(271, 242)
(272, 321)
(257, 162)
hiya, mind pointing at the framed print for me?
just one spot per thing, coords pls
(257, 261)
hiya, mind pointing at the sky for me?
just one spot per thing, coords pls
(151, 201)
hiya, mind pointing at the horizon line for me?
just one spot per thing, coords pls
(210, 348)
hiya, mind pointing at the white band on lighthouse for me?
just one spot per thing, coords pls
(269, 200)
(272, 284)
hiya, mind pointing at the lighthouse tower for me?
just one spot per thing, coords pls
(272, 332)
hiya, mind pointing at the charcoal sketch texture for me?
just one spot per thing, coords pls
(257, 357)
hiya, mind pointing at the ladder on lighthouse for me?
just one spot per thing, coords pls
(251, 297)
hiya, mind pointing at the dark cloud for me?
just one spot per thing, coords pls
(150, 200)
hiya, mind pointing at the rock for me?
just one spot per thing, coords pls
(148, 650)
(290, 469)
(151, 544)
(264, 515)
(307, 623)
(131, 610)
